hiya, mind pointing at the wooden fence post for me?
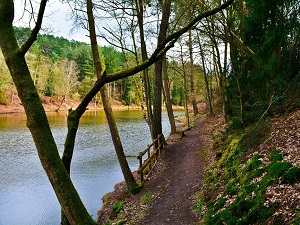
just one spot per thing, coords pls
(140, 157)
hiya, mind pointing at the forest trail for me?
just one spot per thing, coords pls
(173, 183)
(179, 179)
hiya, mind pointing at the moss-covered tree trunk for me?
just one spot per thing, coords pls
(37, 121)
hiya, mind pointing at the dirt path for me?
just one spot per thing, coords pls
(173, 183)
(179, 180)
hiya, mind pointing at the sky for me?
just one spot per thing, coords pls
(56, 19)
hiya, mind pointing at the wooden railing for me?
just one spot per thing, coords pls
(146, 166)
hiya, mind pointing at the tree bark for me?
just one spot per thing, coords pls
(205, 79)
(132, 186)
(146, 82)
(186, 109)
(37, 121)
(168, 97)
(129, 179)
(192, 79)
(158, 71)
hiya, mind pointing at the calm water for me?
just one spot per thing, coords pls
(26, 196)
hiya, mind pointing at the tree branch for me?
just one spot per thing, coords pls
(161, 50)
(36, 29)
(180, 32)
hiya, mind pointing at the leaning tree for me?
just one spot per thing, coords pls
(37, 121)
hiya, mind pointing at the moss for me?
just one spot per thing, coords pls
(292, 176)
(275, 155)
(146, 198)
(232, 188)
(277, 169)
(136, 189)
(230, 154)
(253, 163)
(118, 207)
(274, 171)
(230, 169)
(220, 204)
(105, 199)
(197, 207)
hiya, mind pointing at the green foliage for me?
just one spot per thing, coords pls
(128, 88)
(292, 176)
(135, 190)
(246, 181)
(86, 85)
(118, 207)
(146, 198)
(47, 54)
(275, 155)
(3, 98)
(177, 96)
(76, 96)
(267, 78)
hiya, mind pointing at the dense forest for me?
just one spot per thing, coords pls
(64, 68)
(239, 57)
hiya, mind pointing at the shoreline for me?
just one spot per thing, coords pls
(53, 104)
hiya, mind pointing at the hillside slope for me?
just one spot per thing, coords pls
(256, 175)
(251, 177)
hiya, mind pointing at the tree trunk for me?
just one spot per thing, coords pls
(223, 80)
(206, 79)
(193, 92)
(146, 82)
(185, 94)
(129, 179)
(168, 97)
(234, 72)
(132, 186)
(158, 71)
(37, 121)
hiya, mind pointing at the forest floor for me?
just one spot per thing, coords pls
(167, 196)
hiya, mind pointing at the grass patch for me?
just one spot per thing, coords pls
(146, 198)
(118, 207)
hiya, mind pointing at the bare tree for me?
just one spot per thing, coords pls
(57, 169)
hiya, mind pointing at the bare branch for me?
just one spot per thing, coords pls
(161, 50)
(36, 29)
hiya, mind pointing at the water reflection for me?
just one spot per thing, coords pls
(26, 196)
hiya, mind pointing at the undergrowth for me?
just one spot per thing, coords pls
(234, 188)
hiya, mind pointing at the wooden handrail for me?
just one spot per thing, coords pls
(151, 157)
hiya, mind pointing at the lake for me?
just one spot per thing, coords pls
(26, 196)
